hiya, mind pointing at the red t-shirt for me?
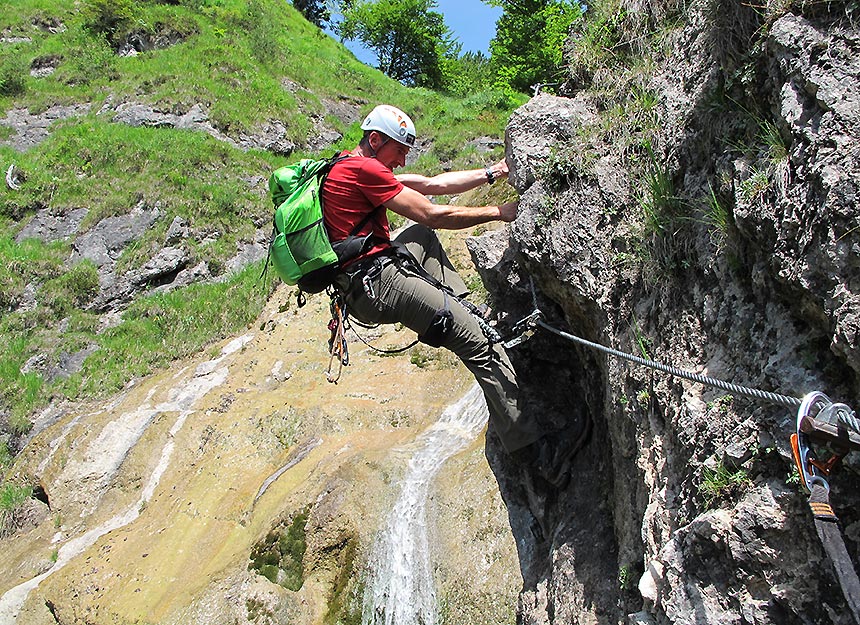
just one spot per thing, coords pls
(354, 187)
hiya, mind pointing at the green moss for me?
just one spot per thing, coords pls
(344, 602)
(278, 557)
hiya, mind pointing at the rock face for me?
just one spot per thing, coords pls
(713, 227)
(151, 505)
(682, 507)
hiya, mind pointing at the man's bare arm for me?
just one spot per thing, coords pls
(415, 206)
(453, 182)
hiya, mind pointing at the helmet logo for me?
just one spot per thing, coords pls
(403, 129)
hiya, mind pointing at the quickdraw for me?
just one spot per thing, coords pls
(337, 344)
(340, 323)
(830, 425)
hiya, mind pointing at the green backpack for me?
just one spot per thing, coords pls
(300, 250)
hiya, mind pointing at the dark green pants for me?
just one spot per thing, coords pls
(386, 290)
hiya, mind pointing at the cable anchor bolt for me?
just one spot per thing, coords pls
(525, 328)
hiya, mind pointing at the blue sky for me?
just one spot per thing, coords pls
(472, 22)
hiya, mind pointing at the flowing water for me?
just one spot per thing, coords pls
(400, 587)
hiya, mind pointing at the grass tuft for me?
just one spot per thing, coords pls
(721, 483)
(12, 497)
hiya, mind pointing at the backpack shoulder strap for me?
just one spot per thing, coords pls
(334, 160)
(361, 224)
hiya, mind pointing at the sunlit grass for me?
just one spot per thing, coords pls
(12, 497)
(244, 63)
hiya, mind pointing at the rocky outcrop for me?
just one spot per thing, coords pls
(30, 129)
(103, 244)
(682, 507)
(172, 265)
(272, 136)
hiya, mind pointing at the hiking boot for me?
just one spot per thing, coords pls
(550, 456)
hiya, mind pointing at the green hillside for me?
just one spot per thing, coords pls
(246, 65)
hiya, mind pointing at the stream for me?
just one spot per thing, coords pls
(400, 588)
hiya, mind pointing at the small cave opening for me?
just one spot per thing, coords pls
(164, 278)
(40, 494)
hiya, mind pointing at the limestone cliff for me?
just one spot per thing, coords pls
(694, 203)
(701, 214)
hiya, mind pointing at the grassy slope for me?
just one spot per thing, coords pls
(232, 56)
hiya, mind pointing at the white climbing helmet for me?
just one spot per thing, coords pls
(392, 122)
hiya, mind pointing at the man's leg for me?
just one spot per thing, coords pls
(402, 296)
(424, 245)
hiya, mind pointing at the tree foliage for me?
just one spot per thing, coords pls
(529, 41)
(315, 11)
(468, 74)
(409, 38)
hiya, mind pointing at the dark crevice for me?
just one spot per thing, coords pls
(53, 610)
(40, 495)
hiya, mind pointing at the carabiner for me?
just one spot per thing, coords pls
(337, 344)
(810, 474)
(525, 328)
(368, 287)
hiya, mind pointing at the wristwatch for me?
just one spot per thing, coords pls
(491, 177)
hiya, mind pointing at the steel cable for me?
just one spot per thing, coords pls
(850, 421)
(775, 398)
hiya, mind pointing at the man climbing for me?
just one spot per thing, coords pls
(421, 289)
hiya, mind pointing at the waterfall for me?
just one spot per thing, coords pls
(400, 587)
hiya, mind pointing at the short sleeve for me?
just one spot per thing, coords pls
(377, 182)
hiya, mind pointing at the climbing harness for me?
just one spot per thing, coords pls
(819, 420)
(340, 322)
(442, 322)
(402, 254)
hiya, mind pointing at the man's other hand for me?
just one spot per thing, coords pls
(508, 212)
